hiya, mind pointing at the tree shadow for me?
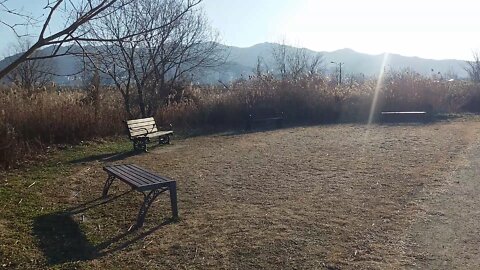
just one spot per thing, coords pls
(62, 240)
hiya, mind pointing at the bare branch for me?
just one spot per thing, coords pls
(49, 17)
(33, 74)
(473, 67)
(88, 11)
(150, 48)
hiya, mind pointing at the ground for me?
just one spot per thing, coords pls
(322, 197)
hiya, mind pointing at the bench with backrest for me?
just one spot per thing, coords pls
(144, 181)
(142, 130)
(407, 116)
(258, 118)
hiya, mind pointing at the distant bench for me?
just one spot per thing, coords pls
(396, 117)
(142, 130)
(143, 181)
(255, 119)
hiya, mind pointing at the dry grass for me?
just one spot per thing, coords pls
(333, 197)
(314, 100)
(30, 123)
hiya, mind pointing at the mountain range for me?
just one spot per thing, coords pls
(242, 62)
(245, 60)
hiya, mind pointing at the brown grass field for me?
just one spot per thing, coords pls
(320, 197)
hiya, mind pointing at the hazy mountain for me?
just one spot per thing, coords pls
(63, 66)
(355, 62)
(242, 62)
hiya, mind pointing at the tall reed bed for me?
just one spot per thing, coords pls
(29, 123)
(315, 100)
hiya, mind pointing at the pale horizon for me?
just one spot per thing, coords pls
(427, 29)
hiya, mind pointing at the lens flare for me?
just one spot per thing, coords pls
(378, 87)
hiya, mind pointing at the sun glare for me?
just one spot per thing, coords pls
(378, 88)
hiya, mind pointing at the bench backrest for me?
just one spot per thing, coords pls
(141, 127)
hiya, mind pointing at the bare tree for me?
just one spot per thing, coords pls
(451, 74)
(259, 70)
(294, 63)
(31, 75)
(77, 14)
(297, 63)
(279, 55)
(148, 68)
(473, 67)
(316, 65)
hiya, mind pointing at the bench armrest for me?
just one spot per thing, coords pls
(143, 135)
(170, 127)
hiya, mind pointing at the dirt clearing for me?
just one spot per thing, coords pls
(330, 197)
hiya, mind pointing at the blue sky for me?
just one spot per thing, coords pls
(425, 28)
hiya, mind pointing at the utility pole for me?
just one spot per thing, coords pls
(340, 64)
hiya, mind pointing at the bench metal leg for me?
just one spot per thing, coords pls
(164, 139)
(140, 145)
(107, 185)
(147, 202)
(279, 123)
(248, 124)
(173, 199)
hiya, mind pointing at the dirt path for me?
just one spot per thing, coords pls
(325, 197)
(448, 234)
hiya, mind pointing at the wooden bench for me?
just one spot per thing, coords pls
(143, 181)
(252, 119)
(142, 130)
(411, 116)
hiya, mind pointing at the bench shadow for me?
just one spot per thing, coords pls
(254, 129)
(406, 124)
(109, 157)
(118, 243)
(112, 157)
(62, 240)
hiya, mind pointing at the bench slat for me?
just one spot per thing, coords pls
(135, 121)
(151, 135)
(140, 173)
(159, 133)
(141, 181)
(152, 178)
(124, 177)
(157, 181)
(142, 132)
(138, 178)
(149, 173)
(141, 125)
